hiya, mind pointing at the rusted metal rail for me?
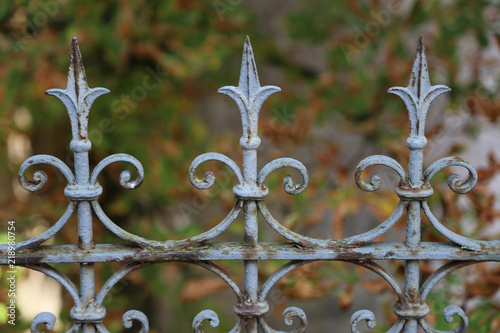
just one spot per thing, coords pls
(83, 191)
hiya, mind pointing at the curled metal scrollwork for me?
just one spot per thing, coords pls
(376, 268)
(452, 310)
(381, 228)
(288, 317)
(208, 265)
(209, 179)
(465, 242)
(449, 313)
(141, 241)
(375, 181)
(291, 312)
(288, 184)
(309, 241)
(54, 229)
(59, 277)
(371, 322)
(361, 315)
(128, 318)
(124, 175)
(125, 235)
(46, 318)
(40, 178)
(441, 273)
(278, 274)
(294, 312)
(287, 233)
(117, 276)
(367, 315)
(455, 182)
(209, 315)
(213, 319)
(131, 315)
(355, 319)
(49, 320)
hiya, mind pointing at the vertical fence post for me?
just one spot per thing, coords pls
(417, 96)
(78, 98)
(249, 96)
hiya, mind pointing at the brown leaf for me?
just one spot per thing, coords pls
(305, 289)
(483, 280)
(376, 286)
(479, 104)
(346, 298)
(338, 219)
(198, 288)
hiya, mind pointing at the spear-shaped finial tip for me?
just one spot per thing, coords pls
(419, 80)
(77, 97)
(76, 75)
(417, 96)
(249, 79)
(75, 50)
(421, 45)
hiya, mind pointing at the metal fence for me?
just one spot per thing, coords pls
(251, 306)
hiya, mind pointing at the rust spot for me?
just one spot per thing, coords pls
(76, 65)
(411, 306)
(357, 173)
(31, 259)
(252, 309)
(352, 256)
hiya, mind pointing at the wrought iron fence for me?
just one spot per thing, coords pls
(251, 306)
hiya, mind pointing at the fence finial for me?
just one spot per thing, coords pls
(249, 96)
(417, 96)
(78, 98)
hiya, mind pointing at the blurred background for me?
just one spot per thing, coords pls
(334, 61)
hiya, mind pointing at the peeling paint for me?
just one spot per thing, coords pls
(250, 190)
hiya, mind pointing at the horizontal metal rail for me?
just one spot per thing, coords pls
(53, 254)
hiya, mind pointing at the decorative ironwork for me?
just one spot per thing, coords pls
(83, 191)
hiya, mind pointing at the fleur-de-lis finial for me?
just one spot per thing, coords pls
(417, 96)
(249, 96)
(78, 98)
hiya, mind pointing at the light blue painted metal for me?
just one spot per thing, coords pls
(251, 306)
(411, 309)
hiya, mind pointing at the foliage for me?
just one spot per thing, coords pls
(163, 62)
